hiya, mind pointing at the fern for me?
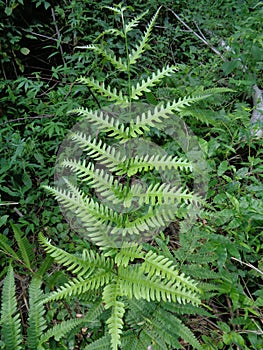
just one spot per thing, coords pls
(25, 248)
(36, 320)
(10, 321)
(123, 271)
(37, 332)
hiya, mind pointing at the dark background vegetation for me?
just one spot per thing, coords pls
(40, 63)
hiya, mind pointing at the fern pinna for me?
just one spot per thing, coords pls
(116, 209)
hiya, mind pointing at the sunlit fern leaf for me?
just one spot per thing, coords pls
(134, 22)
(128, 252)
(155, 218)
(112, 95)
(109, 56)
(119, 9)
(161, 193)
(149, 162)
(104, 183)
(10, 321)
(85, 208)
(115, 322)
(82, 266)
(156, 115)
(134, 284)
(141, 47)
(36, 321)
(79, 286)
(99, 151)
(158, 265)
(113, 31)
(103, 121)
(156, 77)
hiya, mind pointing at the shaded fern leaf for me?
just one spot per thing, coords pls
(60, 330)
(103, 343)
(25, 248)
(36, 321)
(10, 321)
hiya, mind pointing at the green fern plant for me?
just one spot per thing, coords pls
(38, 332)
(123, 271)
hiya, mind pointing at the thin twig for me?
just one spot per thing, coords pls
(58, 34)
(197, 35)
(41, 35)
(35, 117)
(248, 265)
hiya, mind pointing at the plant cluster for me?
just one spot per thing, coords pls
(196, 286)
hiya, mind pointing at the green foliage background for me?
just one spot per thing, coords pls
(40, 63)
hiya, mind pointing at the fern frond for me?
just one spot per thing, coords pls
(143, 86)
(25, 248)
(112, 95)
(79, 286)
(134, 22)
(99, 179)
(141, 47)
(60, 330)
(36, 320)
(158, 265)
(109, 56)
(156, 218)
(115, 32)
(160, 194)
(115, 322)
(204, 116)
(134, 284)
(160, 112)
(6, 249)
(107, 155)
(172, 327)
(102, 343)
(128, 252)
(91, 213)
(119, 9)
(11, 323)
(104, 122)
(148, 162)
(80, 266)
(213, 91)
